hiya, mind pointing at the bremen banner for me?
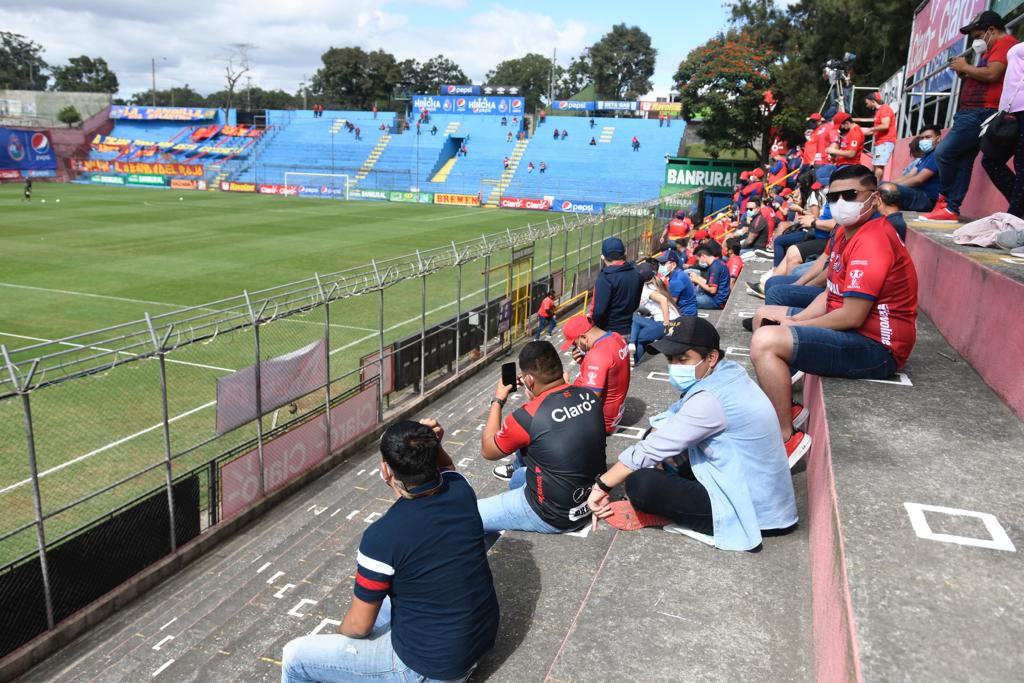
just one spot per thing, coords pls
(463, 199)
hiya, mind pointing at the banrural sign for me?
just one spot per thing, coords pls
(712, 174)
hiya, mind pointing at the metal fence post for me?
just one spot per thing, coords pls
(255, 317)
(423, 324)
(579, 250)
(380, 342)
(458, 307)
(23, 389)
(487, 297)
(565, 260)
(327, 357)
(159, 345)
(551, 246)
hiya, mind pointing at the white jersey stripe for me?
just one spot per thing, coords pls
(374, 565)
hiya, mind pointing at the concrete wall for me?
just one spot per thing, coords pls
(33, 108)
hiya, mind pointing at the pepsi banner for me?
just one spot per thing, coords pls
(459, 90)
(119, 111)
(27, 150)
(572, 105)
(568, 206)
(497, 106)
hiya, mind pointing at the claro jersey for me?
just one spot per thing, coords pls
(605, 369)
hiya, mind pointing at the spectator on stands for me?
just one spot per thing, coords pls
(543, 166)
(423, 604)
(359, 133)
(508, 138)
(433, 129)
(464, 149)
(546, 314)
(616, 289)
(848, 148)
(558, 437)
(734, 262)
(825, 135)
(565, 133)
(917, 188)
(417, 128)
(515, 121)
(678, 283)
(604, 365)
(592, 122)
(661, 120)
(374, 110)
(656, 311)
(863, 325)
(636, 144)
(980, 93)
(505, 163)
(715, 464)
(556, 134)
(883, 128)
(504, 120)
(529, 167)
(758, 226)
(712, 288)
(542, 116)
(593, 142)
(1010, 183)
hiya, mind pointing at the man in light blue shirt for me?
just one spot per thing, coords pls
(715, 463)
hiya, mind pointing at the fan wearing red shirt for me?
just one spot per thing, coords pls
(546, 315)
(734, 262)
(863, 326)
(848, 149)
(604, 365)
(883, 128)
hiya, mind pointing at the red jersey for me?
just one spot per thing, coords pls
(977, 95)
(547, 306)
(824, 136)
(605, 369)
(717, 230)
(885, 112)
(874, 265)
(735, 265)
(677, 228)
(807, 152)
(853, 139)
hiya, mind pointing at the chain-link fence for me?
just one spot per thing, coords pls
(121, 444)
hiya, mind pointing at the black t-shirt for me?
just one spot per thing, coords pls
(562, 440)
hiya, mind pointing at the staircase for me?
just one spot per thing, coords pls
(371, 159)
(446, 168)
(337, 125)
(508, 173)
(606, 134)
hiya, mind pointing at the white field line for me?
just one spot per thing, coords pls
(212, 403)
(450, 216)
(100, 348)
(154, 303)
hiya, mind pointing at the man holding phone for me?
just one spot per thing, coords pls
(559, 438)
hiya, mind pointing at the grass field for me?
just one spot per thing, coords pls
(104, 256)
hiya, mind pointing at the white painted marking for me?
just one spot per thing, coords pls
(1014, 261)
(275, 577)
(629, 432)
(479, 427)
(660, 376)
(360, 472)
(464, 462)
(373, 471)
(168, 623)
(745, 314)
(287, 587)
(352, 514)
(161, 668)
(160, 644)
(737, 351)
(260, 570)
(322, 624)
(702, 314)
(294, 611)
(372, 516)
(998, 540)
(317, 510)
(335, 512)
(902, 380)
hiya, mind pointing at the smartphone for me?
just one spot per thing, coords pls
(508, 375)
(768, 321)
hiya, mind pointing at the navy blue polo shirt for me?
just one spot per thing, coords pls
(718, 274)
(428, 554)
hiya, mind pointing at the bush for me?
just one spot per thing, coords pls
(69, 115)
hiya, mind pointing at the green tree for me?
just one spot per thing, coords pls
(531, 74)
(622, 63)
(427, 77)
(69, 115)
(353, 77)
(84, 74)
(572, 80)
(179, 96)
(21, 63)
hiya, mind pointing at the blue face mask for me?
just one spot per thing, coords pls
(925, 144)
(682, 377)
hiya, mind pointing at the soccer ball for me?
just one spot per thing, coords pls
(181, 199)
(42, 201)
(57, 200)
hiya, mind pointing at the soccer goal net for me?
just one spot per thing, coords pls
(323, 184)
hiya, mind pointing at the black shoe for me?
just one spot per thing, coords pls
(755, 289)
(748, 324)
(504, 471)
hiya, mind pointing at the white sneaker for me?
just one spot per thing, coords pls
(1018, 252)
(695, 535)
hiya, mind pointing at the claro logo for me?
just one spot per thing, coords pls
(569, 412)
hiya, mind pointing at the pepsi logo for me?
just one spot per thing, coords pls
(566, 205)
(516, 104)
(562, 104)
(451, 89)
(461, 102)
(40, 144)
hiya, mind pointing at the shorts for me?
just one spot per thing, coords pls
(839, 353)
(881, 153)
(811, 248)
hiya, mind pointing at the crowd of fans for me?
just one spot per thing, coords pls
(715, 463)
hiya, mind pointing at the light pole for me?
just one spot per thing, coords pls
(152, 64)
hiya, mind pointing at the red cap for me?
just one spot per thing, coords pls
(877, 96)
(574, 328)
(816, 186)
(701, 234)
(744, 175)
(841, 117)
(815, 117)
(786, 191)
(757, 173)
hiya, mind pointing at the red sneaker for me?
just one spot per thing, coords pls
(943, 215)
(940, 202)
(800, 415)
(627, 518)
(797, 447)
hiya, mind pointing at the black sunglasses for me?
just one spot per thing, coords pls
(848, 195)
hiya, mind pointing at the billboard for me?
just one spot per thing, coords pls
(145, 179)
(460, 199)
(412, 197)
(572, 105)
(711, 174)
(459, 90)
(322, 191)
(445, 104)
(183, 184)
(133, 113)
(569, 206)
(616, 105)
(230, 186)
(935, 37)
(26, 150)
(381, 195)
(274, 188)
(670, 107)
(524, 203)
(103, 179)
(190, 170)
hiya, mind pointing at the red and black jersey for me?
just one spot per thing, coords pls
(560, 435)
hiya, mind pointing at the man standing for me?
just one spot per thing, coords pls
(981, 88)
(559, 437)
(27, 196)
(546, 315)
(883, 128)
(604, 365)
(848, 148)
(616, 290)
(712, 288)
(424, 605)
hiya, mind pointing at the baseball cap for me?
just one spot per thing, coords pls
(786, 191)
(757, 172)
(574, 328)
(841, 117)
(612, 247)
(664, 257)
(984, 20)
(816, 186)
(646, 270)
(815, 117)
(687, 332)
(744, 175)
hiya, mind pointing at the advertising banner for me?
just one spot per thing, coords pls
(91, 165)
(9, 174)
(239, 132)
(499, 90)
(670, 107)
(499, 106)
(191, 170)
(354, 417)
(370, 368)
(937, 28)
(356, 193)
(572, 105)
(26, 149)
(569, 206)
(524, 203)
(274, 188)
(182, 184)
(616, 105)
(36, 173)
(228, 186)
(106, 179)
(133, 113)
(412, 197)
(715, 175)
(459, 90)
(460, 199)
(151, 180)
(322, 191)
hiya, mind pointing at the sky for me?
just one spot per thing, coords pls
(189, 38)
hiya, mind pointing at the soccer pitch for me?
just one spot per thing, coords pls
(103, 256)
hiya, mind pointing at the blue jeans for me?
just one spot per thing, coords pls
(706, 301)
(914, 199)
(839, 353)
(799, 296)
(334, 658)
(548, 322)
(510, 510)
(955, 155)
(645, 330)
(783, 242)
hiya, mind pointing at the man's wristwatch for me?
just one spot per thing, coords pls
(601, 485)
(499, 401)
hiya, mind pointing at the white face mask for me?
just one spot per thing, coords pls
(846, 213)
(979, 46)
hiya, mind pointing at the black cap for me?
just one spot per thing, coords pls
(984, 20)
(646, 270)
(687, 332)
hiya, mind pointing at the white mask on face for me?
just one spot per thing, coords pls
(979, 46)
(846, 213)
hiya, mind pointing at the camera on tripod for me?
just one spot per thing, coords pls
(835, 70)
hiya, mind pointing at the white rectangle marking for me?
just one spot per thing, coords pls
(168, 623)
(902, 380)
(998, 540)
(372, 516)
(160, 644)
(352, 514)
(280, 594)
(737, 351)
(265, 565)
(322, 624)
(582, 533)
(464, 462)
(660, 376)
(275, 577)
(629, 432)
(294, 611)
(161, 668)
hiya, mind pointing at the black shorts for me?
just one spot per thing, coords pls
(810, 248)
